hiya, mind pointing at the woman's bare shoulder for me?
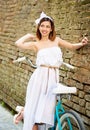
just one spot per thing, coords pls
(57, 40)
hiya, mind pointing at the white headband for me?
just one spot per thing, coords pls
(42, 15)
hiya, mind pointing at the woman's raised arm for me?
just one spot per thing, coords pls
(70, 46)
(24, 43)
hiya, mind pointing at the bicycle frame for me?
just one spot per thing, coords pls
(59, 111)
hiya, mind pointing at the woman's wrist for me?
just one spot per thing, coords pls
(28, 36)
(77, 45)
(31, 36)
(81, 44)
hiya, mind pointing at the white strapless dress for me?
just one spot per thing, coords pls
(40, 101)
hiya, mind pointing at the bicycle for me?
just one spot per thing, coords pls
(64, 120)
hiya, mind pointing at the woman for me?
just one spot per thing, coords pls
(40, 102)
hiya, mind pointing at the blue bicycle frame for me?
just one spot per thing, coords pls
(59, 111)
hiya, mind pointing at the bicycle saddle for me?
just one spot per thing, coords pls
(63, 89)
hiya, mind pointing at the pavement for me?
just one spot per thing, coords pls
(6, 120)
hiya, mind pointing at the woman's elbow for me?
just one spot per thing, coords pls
(16, 44)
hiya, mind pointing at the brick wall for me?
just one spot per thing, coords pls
(72, 20)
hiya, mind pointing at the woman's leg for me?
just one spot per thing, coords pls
(35, 127)
(18, 117)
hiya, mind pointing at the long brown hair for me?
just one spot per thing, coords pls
(52, 34)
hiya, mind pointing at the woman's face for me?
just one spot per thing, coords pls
(45, 28)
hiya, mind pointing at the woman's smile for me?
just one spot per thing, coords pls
(44, 32)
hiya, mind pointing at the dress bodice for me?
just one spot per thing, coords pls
(49, 56)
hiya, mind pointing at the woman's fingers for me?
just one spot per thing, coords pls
(84, 41)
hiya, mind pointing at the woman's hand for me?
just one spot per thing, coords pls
(31, 36)
(84, 41)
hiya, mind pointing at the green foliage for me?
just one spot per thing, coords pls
(12, 112)
(3, 104)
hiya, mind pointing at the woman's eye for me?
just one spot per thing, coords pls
(48, 26)
(42, 25)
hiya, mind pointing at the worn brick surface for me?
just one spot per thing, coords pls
(72, 20)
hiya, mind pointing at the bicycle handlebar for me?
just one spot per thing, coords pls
(34, 66)
(19, 59)
(25, 59)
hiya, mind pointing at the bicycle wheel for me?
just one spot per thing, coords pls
(71, 121)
